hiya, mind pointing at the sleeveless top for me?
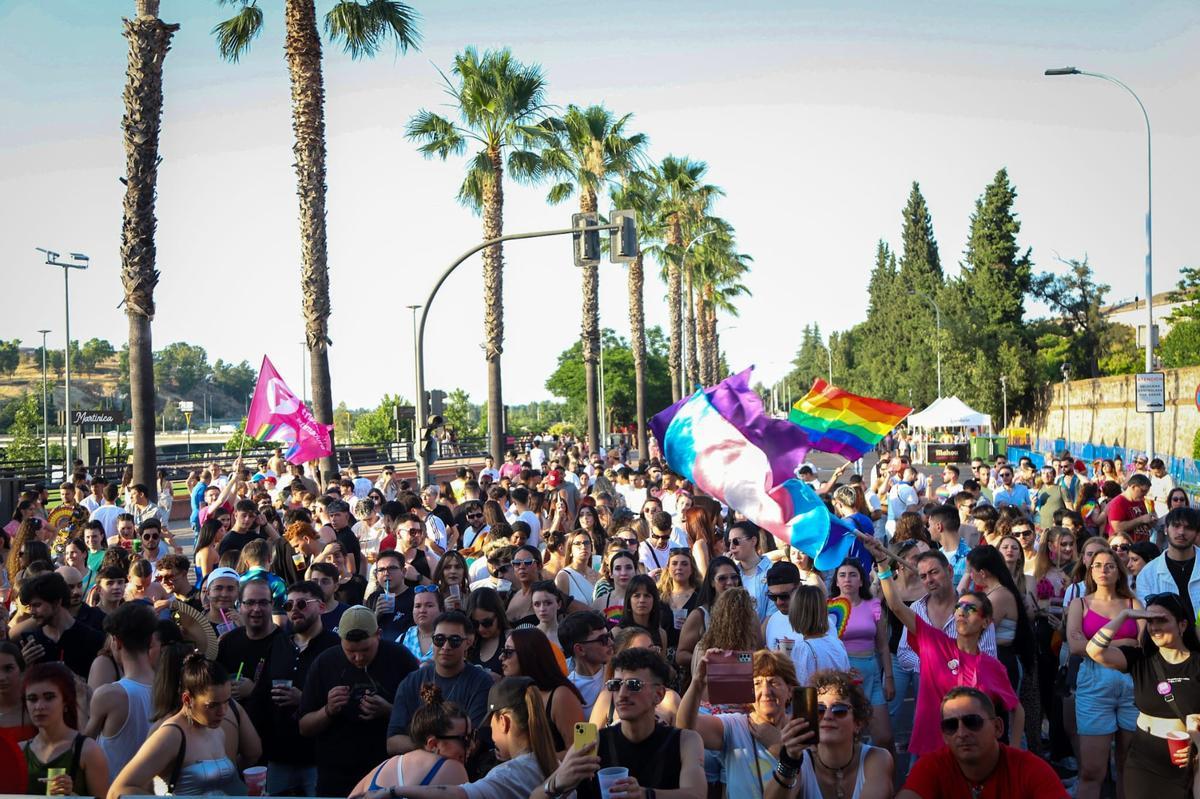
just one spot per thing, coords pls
(1093, 622)
(434, 769)
(655, 762)
(811, 786)
(859, 634)
(559, 744)
(1006, 632)
(581, 589)
(69, 760)
(203, 777)
(120, 748)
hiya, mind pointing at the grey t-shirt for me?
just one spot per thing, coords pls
(468, 690)
(514, 779)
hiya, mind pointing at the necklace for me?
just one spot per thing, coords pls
(838, 772)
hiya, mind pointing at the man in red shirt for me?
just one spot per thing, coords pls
(974, 763)
(1127, 512)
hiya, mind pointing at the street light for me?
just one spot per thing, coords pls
(1004, 394)
(1066, 373)
(45, 411)
(420, 389)
(684, 389)
(78, 261)
(304, 371)
(1149, 237)
(938, 317)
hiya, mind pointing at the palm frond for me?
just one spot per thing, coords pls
(437, 135)
(479, 172)
(363, 27)
(525, 166)
(560, 192)
(235, 34)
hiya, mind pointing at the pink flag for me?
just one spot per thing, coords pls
(276, 414)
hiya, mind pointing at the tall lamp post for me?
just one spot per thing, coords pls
(45, 411)
(1004, 395)
(78, 261)
(419, 400)
(1149, 237)
(937, 313)
(1066, 373)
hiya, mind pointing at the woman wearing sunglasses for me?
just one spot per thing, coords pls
(528, 653)
(1165, 672)
(486, 611)
(840, 765)
(442, 730)
(945, 662)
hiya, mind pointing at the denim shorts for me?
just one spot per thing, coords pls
(872, 677)
(1103, 700)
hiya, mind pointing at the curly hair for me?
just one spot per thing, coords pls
(849, 689)
(734, 622)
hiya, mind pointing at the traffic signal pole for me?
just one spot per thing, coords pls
(419, 343)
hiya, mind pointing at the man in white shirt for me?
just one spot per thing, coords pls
(519, 510)
(96, 498)
(902, 498)
(362, 486)
(537, 455)
(489, 469)
(655, 551)
(107, 513)
(1161, 486)
(586, 640)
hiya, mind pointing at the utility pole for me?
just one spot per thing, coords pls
(78, 261)
(1066, 373)
(1004, 395)
(45, 413)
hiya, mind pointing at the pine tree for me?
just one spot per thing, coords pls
(918, 281)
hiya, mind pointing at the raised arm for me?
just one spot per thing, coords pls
(885, 563)
(710, 728)
(1099, 647)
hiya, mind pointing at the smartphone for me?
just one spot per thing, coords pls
(585, 733)
(804, 705)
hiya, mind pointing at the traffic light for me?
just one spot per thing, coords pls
(622, 242)
(587, 242)
(428, 439)
(434, 402)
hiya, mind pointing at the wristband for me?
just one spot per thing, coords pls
(887, 575)
(788, 763)
(787, 782)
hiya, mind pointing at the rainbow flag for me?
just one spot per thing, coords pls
(843, 423)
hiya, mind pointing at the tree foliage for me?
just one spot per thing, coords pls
(10, 356)
(181, 366)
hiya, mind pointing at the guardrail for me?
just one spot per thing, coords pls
(1185, 470)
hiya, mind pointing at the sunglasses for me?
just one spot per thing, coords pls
(784, 597)
(727, 578)
(605, 639)
(629, 543)
(839, 709)
(414, 530)
(297, 604)
(151, 537)
(425, 589)
(255, 603)
(502, 569)
(523, 562)
(972, 721)
(507, 652)
(632, 683)
(680, 550)
(474, 515)
(967, 608)
(455, 641)
(666, 537)
(485, 624)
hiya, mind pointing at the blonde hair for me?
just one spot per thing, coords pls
(808, 614)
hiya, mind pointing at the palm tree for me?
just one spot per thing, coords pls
(685, 199)
(640, 193)
(149, 40)
(501, 106)
(589, 149)
(362, 28)
(719, 270)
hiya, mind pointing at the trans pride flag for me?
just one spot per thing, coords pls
(843, 423)
(721, 439)
(277, 414)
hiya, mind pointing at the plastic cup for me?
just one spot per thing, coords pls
(51, 773)
(607, 776)
(281, 683)
(1177, 740)
(256, 780)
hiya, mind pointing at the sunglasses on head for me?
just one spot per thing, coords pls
(632, 683)
(425, 589)
(465, 740)
(297, 604)
(455, 641)
(680, 550)
(972, 721)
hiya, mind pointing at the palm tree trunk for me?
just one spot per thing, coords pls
(149, 41)
(637, 332)
(693, 371)
(674, 300)
(302, 46)
(591, 334)
(709, 355)
(493, 301)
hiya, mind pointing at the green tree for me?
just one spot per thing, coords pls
(1077, 299)
(93, 352)
(182, 366)
(362, 28)
(589, 150)
(26, 444)
(501, 104)
(1180, 347)
(10, 356)
(458, 411)
(235, 380)
(377, 426)
(1187, 291)
(919, 280)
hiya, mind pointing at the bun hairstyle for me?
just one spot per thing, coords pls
(200, 674)
(435, 716)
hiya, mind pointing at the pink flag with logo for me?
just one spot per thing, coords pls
(277, 414)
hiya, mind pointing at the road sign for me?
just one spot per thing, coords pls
(186, 406)
(1151, 392)
(405, 412)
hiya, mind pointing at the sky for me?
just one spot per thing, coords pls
(814, 117)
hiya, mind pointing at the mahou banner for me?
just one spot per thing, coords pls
(277, 414)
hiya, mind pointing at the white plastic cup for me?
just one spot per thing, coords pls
(607, 776)
(256, 780)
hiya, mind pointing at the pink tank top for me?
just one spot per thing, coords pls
(1093, 622)
(859, 635)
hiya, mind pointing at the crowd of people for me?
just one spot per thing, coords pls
(571, 624)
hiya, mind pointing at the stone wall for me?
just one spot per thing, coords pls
(1103, 413)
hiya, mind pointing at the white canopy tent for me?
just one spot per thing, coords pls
(949, 412)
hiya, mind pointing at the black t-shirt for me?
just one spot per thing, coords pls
(331, 618)
(654, 762)
(77, 647)
(351, 548)
(349, 745)
(1181, 570)
(236, 650)
(92, 616)
(393, 625)
(351, 592)
(235, 541)
(1182, 678)
(280, 728)
(421, 564)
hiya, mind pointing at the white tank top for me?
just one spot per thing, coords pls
(812, 787)
(120, 748)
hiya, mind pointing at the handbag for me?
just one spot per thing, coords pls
(731, 678)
